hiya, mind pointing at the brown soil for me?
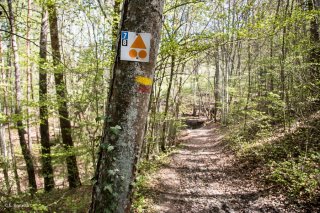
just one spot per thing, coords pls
(204, 176)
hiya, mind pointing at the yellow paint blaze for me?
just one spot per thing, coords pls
(144, 80)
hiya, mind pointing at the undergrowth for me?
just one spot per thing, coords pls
(291, 160)
(58, 200)
(146, 168)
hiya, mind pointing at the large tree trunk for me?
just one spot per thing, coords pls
(47, 169)
(61, 89)
(21, 131)
(126, 114)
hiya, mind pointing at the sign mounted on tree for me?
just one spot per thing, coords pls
(135, 46)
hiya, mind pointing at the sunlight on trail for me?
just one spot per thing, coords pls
(203, 177)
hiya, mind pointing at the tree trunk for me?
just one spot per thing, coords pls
(47, 169)
(61, 89)
(21, 131)
(29, 75)
(4, 155)
(217, 98)
(314, 55)
(115, 22)
(153, 120)
(11, 147)
(3, 151)
(126, 114)
(3, 144)
(165, 122)
(194, 90)
(282, 66)
(173, 124)
(249, 65)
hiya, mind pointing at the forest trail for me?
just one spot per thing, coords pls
(203, 176)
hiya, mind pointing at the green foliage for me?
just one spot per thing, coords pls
(146, 168)
(140, 203)
(115, 129)
(3, 118)
(107, 147)
(39, 207)
(292, 159)
(108, 187)
(257, 126)
(300, 176)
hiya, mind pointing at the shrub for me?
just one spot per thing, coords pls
(301, 176)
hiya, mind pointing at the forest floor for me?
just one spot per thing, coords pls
(205, 176)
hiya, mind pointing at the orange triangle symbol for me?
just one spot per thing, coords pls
(138, 43)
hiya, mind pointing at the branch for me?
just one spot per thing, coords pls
(6, 31)
(4, 10)
(102, 10)
(182, 4)
(34, 43)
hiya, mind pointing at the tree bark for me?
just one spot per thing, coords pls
(126, 113)
(29, 75)
(11, 147)
(3, 144)
(248, 99)
(21, 131)
(47, 169)
(165, 122)
(61, 89)
(4, 161)
(314, 55)
(217, 99)
(115, 22)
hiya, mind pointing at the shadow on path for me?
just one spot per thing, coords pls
(203, 176)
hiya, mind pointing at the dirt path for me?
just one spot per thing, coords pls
(203, 176)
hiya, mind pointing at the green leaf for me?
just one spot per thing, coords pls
(110, 148)
(115, 129)
(109, 188)
(107, 147)
(99, 118)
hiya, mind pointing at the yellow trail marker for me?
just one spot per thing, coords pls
(144, 80)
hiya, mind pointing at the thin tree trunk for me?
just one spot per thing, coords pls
(11, 147)
(282, 66)
(3, 151)
(29, 75)
(127, 112)
(47, 169)
(61, 89)
(165, 122)
(249, 87)
(194, 90)
(115, 22)
(314, 55)
(173, 127)
(14, 162)
(224, 86)
(25, 151)
(3, 144)
(217, 98)
(154, 125)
